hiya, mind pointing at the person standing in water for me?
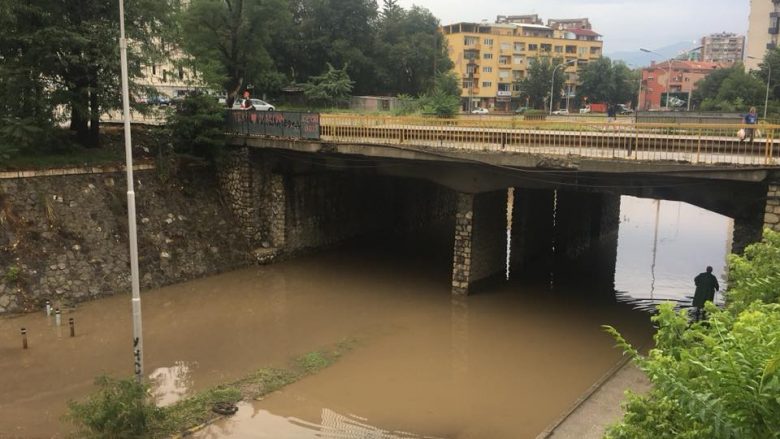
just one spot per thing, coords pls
(706, 285)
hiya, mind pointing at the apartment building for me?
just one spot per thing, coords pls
(763, 30)
(724, 48)
(682, 82)
(170, 78)
(492, 58)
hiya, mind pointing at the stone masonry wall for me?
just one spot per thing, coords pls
(461, 259)
(64, 238)
(772, 213)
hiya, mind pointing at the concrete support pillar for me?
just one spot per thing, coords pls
(480, 239)
(772, 209)
(235, 179)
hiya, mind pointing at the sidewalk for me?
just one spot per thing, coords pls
(591, 416)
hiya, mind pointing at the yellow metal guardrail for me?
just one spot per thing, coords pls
(622, 139)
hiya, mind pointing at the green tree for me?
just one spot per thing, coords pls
(66, 53)
(410, 50)
(444, 98)
(536, 84)
(741, 85)
(198, 127)
(340, 32)
(332, 88)
(771, 61)
(707, 92)
(229, 40)
(605, 81)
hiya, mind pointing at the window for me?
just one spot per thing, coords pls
(488, 41)
(581, 51)
(506, 46)
(470, 41)
(487, 56)
(181, 73)
(487, 69)
(503, 74)
(517, 59)
(487, 84)
(558, 49)
(517, 75)
(519, 47)
(516, 87)
(571, 49)
(533, 47)
(546, 47)
(467, 83)
(154, 69)
(504, 87)
(504, 60)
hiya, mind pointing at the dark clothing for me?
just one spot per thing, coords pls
(706, 285)
(749, 119)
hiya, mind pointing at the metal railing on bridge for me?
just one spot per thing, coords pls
(693, 143)
(287, 124)
(595, 138)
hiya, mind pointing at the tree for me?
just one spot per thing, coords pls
(444, 98)
(741, 85)
(67, 53)
(709, 87)
(332, 88)
(756, 274)
(340, 32)
(605, 81)
(536, 84)
(410, 50)
(771, 60)
(198, 127)
(229, 41)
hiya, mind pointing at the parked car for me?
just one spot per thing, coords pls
(158, 100)
(479, 110)
(623, 109)
(520, 110)
(257, 103)
(585, 110)
(560, 112)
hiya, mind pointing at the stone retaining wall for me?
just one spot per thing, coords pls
(64, 238)
(772, 213)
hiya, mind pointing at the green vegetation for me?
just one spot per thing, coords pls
(197, 127)
(12, 273)
(729, 90)
(536, 84)
(124, 409)
(719, 378)
(332, 88)
(607, 81)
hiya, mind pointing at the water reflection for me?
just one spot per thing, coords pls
(172, 383)
(663, 245)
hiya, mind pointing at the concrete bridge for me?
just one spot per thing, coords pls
(303, 180)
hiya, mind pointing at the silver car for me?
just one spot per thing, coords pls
(257, 103)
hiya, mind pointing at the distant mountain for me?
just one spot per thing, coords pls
(641, 59)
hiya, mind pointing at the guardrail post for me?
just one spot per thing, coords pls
(698, 148)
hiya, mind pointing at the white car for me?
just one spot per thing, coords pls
(560, 112)
(479, 111)
(257, 103)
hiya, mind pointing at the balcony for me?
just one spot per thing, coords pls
(773, 30)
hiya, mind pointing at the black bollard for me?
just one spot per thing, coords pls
(72, 327)
(24, 338)
(57, 317)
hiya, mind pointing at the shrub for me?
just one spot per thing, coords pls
(119, 409)
(197, 127)
(756, 274)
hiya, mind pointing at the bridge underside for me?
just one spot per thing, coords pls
(289, 201)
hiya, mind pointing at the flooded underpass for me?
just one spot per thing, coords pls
(502, 363)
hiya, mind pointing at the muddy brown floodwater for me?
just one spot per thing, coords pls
(503, 363)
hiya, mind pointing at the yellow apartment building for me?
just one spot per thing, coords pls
(492, 58)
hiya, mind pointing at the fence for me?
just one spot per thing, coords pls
(692, 143)
(287, 124)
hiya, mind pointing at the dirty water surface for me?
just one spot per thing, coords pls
(503, 363)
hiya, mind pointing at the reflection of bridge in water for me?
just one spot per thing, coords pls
(576, 170)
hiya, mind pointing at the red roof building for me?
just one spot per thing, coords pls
(682, 83)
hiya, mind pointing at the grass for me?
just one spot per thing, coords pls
(72, 157)
(196, 411)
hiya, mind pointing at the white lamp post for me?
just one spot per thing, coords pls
(138, 357)
(552, 83)
(768, 79)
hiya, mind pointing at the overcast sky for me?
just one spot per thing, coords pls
(625, 24)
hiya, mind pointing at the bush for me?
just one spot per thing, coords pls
(119, 409)
(755, 275)
(719, 378)
(197, 127)
(535, 115)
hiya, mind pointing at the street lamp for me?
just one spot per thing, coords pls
(552, 83)
(668, 77)
(768, 78)
(138, 344)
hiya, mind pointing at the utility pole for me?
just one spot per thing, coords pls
(138, 343)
